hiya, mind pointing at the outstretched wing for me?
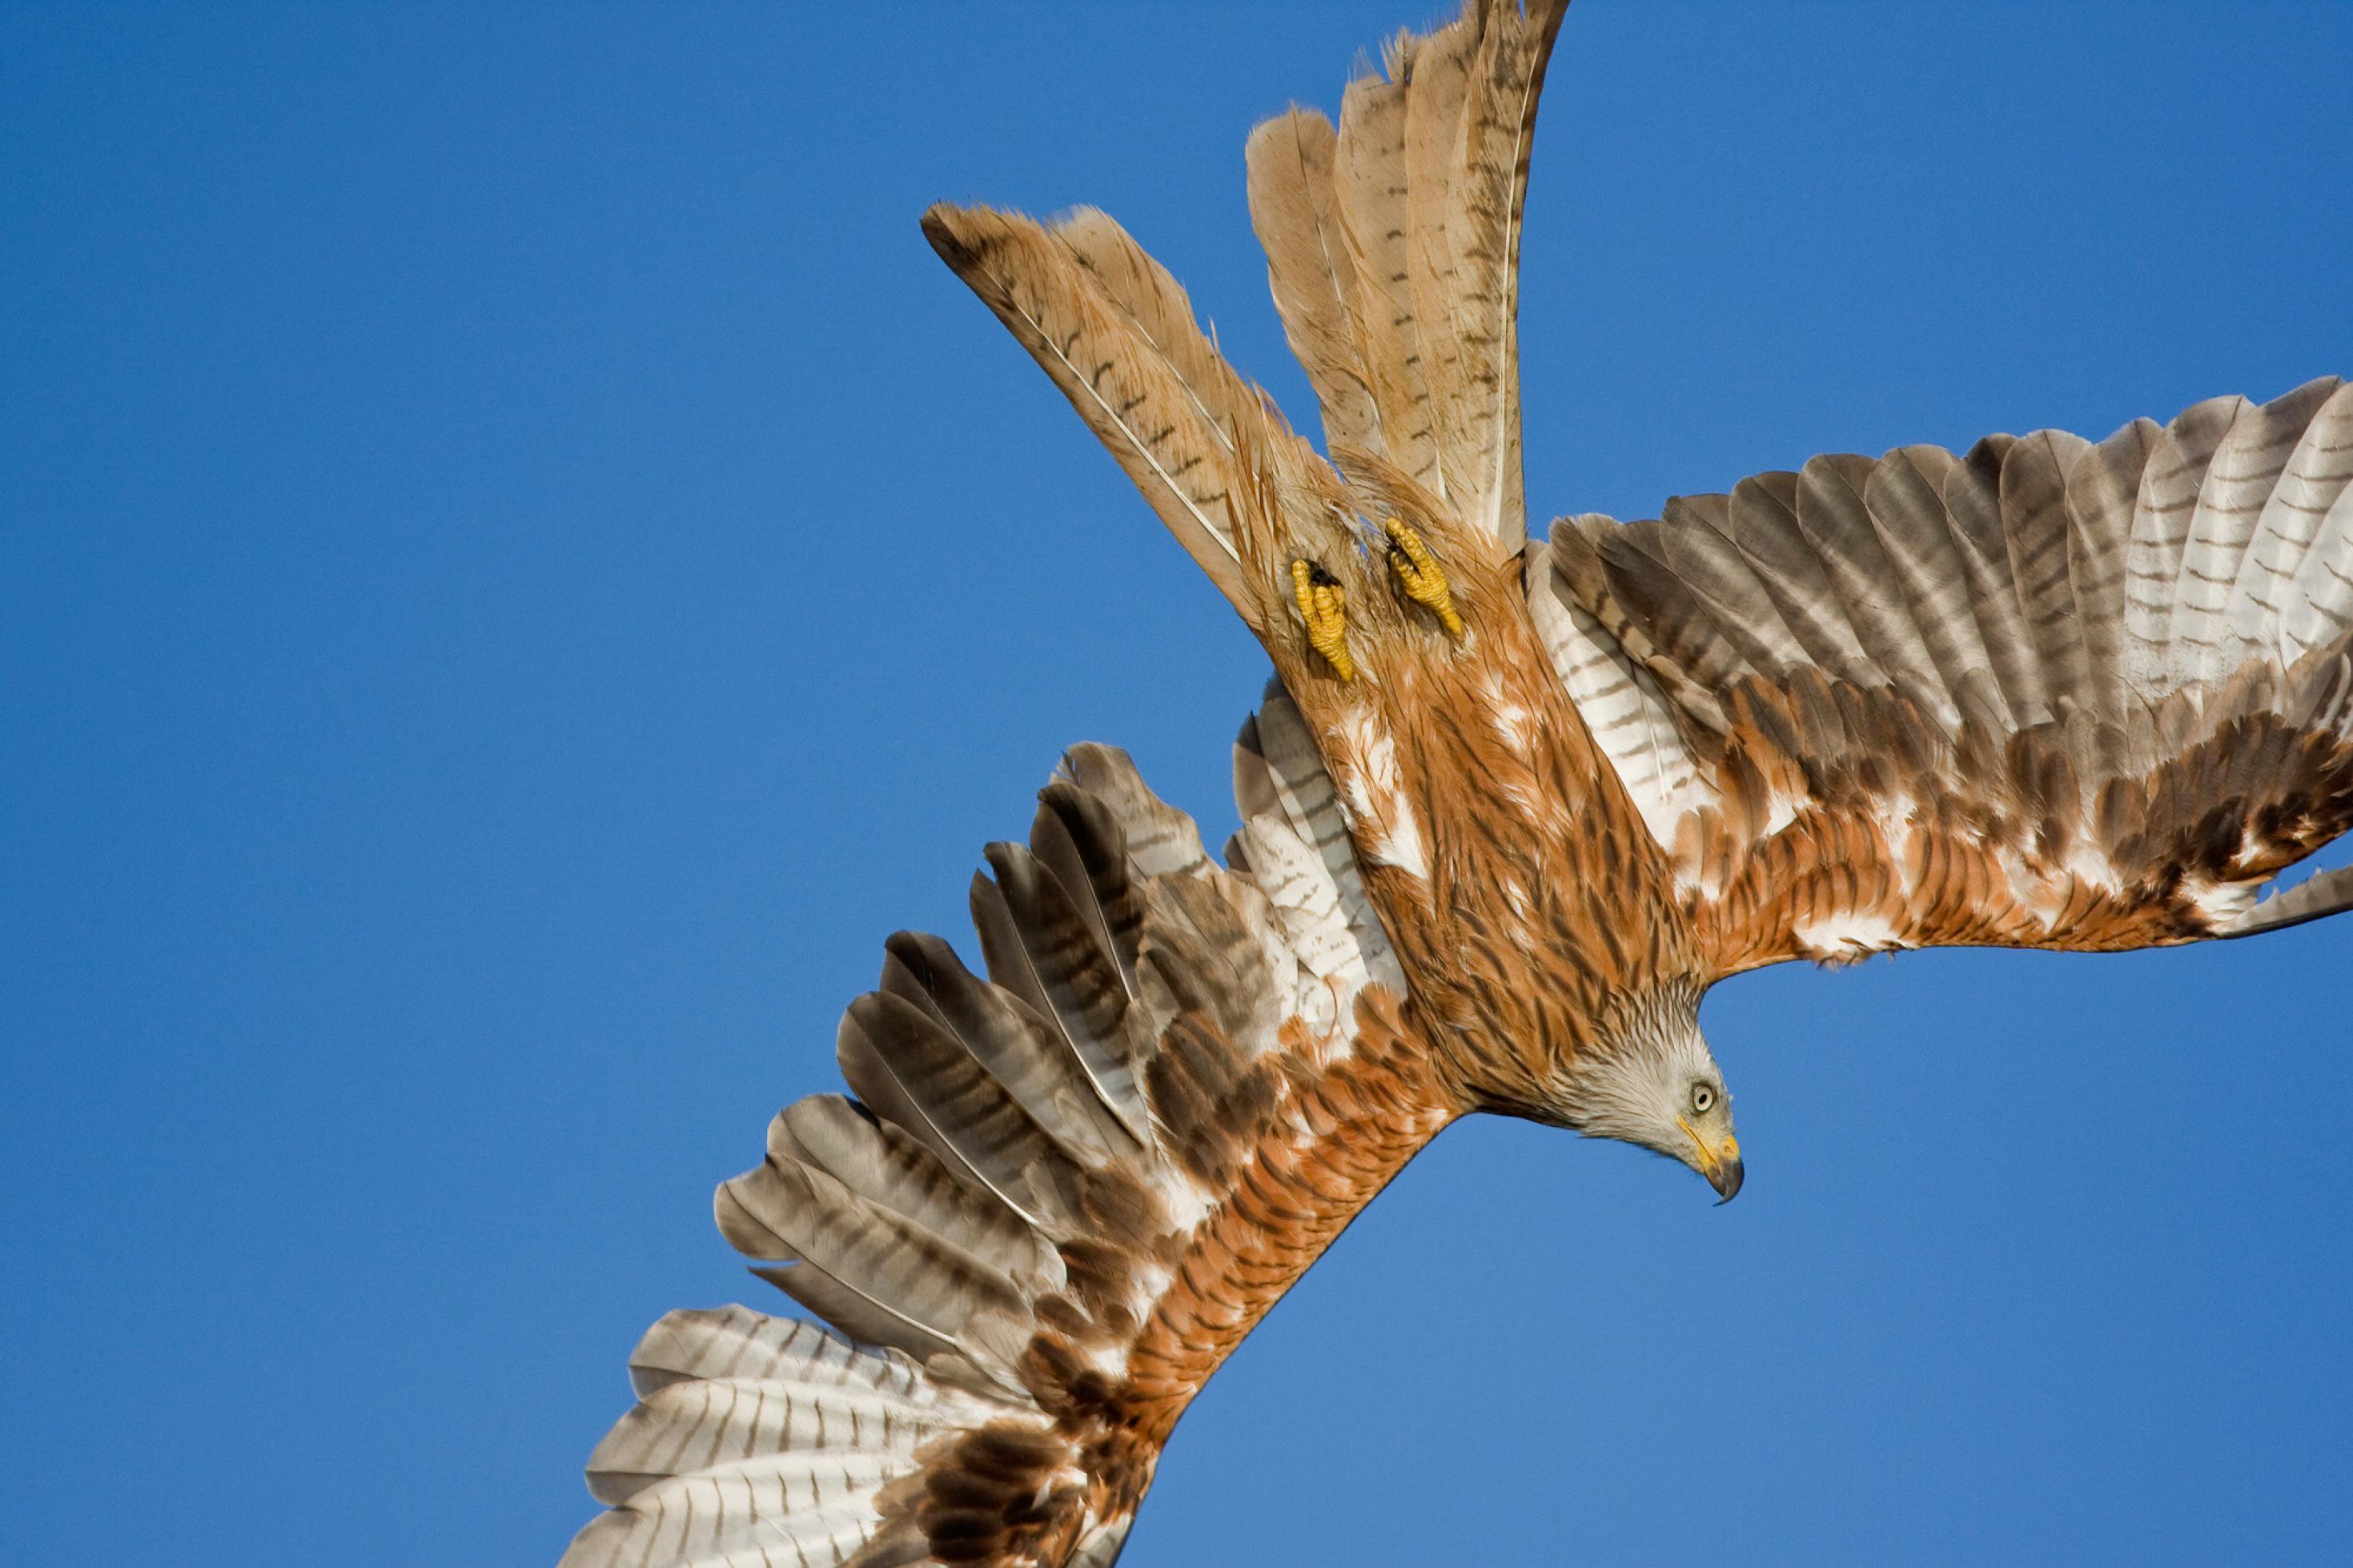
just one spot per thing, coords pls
(1060, 1196)
(2048, 693)
(1393, 249)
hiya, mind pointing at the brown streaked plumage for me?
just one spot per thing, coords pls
(1496, 841)
(1859, 769)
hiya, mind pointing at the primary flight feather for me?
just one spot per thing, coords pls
(1508, 809)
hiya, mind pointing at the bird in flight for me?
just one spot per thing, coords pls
(1509, 807)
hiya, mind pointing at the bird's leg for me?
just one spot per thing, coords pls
(1418, 573)
(1323, 604)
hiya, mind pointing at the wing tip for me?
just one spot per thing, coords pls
(2318, 896)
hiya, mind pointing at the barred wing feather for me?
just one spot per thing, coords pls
(1027, 1230)
(2045, 693)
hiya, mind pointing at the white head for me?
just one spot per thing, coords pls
(1651, 1080)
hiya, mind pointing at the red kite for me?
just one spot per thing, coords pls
(1509, 808)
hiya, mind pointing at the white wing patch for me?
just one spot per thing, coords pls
(1848, 935)
(1378, 807)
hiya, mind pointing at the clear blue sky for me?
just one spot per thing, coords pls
(518, 568)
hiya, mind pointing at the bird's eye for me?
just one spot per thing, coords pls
(1703, 1098)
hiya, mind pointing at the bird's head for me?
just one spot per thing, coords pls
(1650, 1079)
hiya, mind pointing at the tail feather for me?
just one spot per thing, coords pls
(1167, 431)
(1243, 493)
(1371, 169)
(1393, 250)
(1313, 270)
(1156, 303)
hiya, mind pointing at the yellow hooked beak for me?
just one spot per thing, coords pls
(1721, 1165)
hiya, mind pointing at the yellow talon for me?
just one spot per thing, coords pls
(1323, 604)
(1418, 572)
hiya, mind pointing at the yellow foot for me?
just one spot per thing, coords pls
(1323, 604)
(1419, 573)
